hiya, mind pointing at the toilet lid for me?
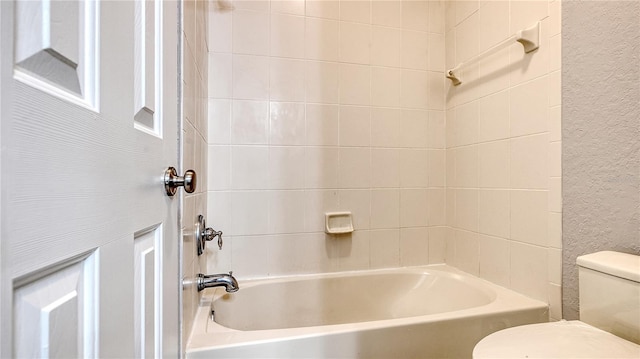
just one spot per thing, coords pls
(563, 339)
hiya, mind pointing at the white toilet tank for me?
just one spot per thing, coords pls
(610, 293)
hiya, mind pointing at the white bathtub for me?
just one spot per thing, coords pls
(421, 312)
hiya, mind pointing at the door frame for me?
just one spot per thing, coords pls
(6, 97)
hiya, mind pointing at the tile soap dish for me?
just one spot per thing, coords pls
(338, 222)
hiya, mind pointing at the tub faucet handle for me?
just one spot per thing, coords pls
(210, 234)
(205, 234)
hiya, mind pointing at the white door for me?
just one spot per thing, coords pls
(89, 105)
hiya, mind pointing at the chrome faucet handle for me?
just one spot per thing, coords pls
(209, 234)
(204, 234)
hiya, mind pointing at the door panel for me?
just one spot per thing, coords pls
(60, 305)
(93, 127)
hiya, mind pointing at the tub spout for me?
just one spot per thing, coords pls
(217, 280)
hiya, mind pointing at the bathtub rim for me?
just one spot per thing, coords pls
(207, 334)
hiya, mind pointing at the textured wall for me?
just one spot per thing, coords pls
(600, 133)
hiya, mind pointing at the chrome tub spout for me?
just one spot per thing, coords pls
(217, 280)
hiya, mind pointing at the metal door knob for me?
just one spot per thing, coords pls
(172, 181)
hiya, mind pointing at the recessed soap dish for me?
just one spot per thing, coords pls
(338, 222)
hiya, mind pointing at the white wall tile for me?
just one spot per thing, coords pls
(352, 253)
(435, 53)
(493, 24)
(250, 31)
(355, 167)
(555, 230)
(413, 168)
(287, 36)
(529, 216)
(494, 209)
(436, 168)
(414, 89)
(495, 260)
(355, 10)
(529, 109)
(249, 167)
(286, 123)
(321, 167)
(286, 80)
(219, 157)
(493, 171)
(414, 50)
(414, 246)
(249, 213)
(385, 167)
(413, 128)
(528, 163)
(219, 26)
(322, 82)
(322, 125)
(317, 203)
(467, 38)
(385, 46)
(321, 39)
(385, 127)
(250, 77)
(286, 164)
(355, 84)
(385, 208)
(328, 9)
(529, 270)
(526, 13)
(286, 211)
(358, 202)
(466, 203)
(437, 245)
(466, 166)
(437, 16)
(249, 256)
(385, 86)
(415, 15)
(436, 202)
(220, 68)
(294, 7)
(249, 122)
(354, 43)
(355, 124)
(493, 117)
(219, 119)
(465, 125)
(436, 130)
(386, 13)
(466, 251)
(384, 248)
(413, 208)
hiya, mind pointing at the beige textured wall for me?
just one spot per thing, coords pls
(600, 133)
(503, 147)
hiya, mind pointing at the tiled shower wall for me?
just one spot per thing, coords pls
(319, 106)
(194, 147)
(503, 147)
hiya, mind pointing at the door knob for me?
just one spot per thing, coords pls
(172, 181)
(205, 234)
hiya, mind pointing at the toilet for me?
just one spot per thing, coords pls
(609, 325)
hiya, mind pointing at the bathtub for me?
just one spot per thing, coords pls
(433, 311)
